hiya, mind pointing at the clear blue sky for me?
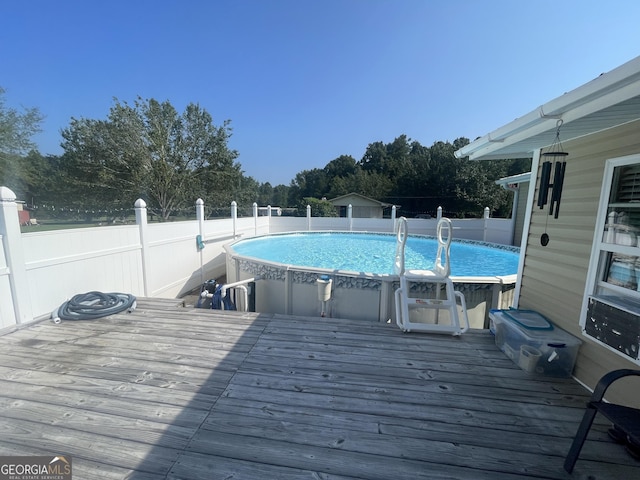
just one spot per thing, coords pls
(304, 81)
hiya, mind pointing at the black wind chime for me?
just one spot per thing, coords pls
(554, 162)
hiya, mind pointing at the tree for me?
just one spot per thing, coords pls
(149, 150)
(17, 128)
(102, 163)
(374, 158)
(247, 193)
(265, 194)
(415, 177)
(319, 208)
(475, 188)
(34, 176)
(280, 196)
(342, 166)
(390, 159)
(369, 184)
(15, 173)
(309, 183)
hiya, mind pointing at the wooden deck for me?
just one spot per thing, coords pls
(174, 393)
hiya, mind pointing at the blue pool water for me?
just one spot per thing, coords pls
(374, 253)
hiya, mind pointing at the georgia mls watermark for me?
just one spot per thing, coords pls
(35, 468)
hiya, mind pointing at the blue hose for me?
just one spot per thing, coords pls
(93, 305)
(218, 302)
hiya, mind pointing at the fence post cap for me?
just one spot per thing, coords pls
(7, 195)
(140, 203)
(199, 202)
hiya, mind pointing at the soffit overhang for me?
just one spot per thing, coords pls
(610, 100)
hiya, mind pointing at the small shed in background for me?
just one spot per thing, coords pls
(362, 207)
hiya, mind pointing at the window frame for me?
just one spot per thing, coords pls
(593, 283)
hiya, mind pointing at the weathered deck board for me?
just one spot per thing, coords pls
(172, 393)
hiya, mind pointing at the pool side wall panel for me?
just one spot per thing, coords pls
(288, 290)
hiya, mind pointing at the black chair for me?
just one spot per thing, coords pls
(626, 420)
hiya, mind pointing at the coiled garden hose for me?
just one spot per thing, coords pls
(93, 305)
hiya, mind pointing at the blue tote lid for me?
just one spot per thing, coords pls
(529, 319)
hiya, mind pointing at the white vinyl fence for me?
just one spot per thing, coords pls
(41, 270)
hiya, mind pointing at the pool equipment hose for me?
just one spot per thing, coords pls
(93, 305)
(219, 294)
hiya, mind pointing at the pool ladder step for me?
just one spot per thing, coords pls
(442, 311)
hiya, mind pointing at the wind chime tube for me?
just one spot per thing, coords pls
(544, 184)
(555, 153)
(556, 193)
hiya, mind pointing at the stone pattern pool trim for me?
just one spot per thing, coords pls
(273, 271)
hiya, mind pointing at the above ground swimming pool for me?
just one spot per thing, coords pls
(374, 253)
(360, 266)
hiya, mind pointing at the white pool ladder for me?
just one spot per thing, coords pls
(439, 309)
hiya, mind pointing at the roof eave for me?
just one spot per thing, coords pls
(520, 178)
(622, 83)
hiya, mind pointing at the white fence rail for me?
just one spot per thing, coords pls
(41, 270)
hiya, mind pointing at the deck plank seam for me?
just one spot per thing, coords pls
(185, 448)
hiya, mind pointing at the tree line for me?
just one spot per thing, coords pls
(416, 178)
(147, 149)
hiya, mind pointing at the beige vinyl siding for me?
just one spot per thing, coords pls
(521, 210)
(554, 276)
(361, 207)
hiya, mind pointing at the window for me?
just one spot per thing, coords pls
(611, 306)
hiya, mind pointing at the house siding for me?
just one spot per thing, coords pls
(554, 277)
(521, 209)
(361, 207)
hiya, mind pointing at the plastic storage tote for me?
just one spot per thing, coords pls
(534, 343)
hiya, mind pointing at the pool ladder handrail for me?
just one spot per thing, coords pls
(440, 275)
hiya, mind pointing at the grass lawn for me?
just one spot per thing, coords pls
(46, 226)
(57, 224)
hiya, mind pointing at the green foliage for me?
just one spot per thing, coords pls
(369, 184)
(17, 128)
(416, 178)
(310, 183)
(149, 150)
(342, 166)
(319, 207)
